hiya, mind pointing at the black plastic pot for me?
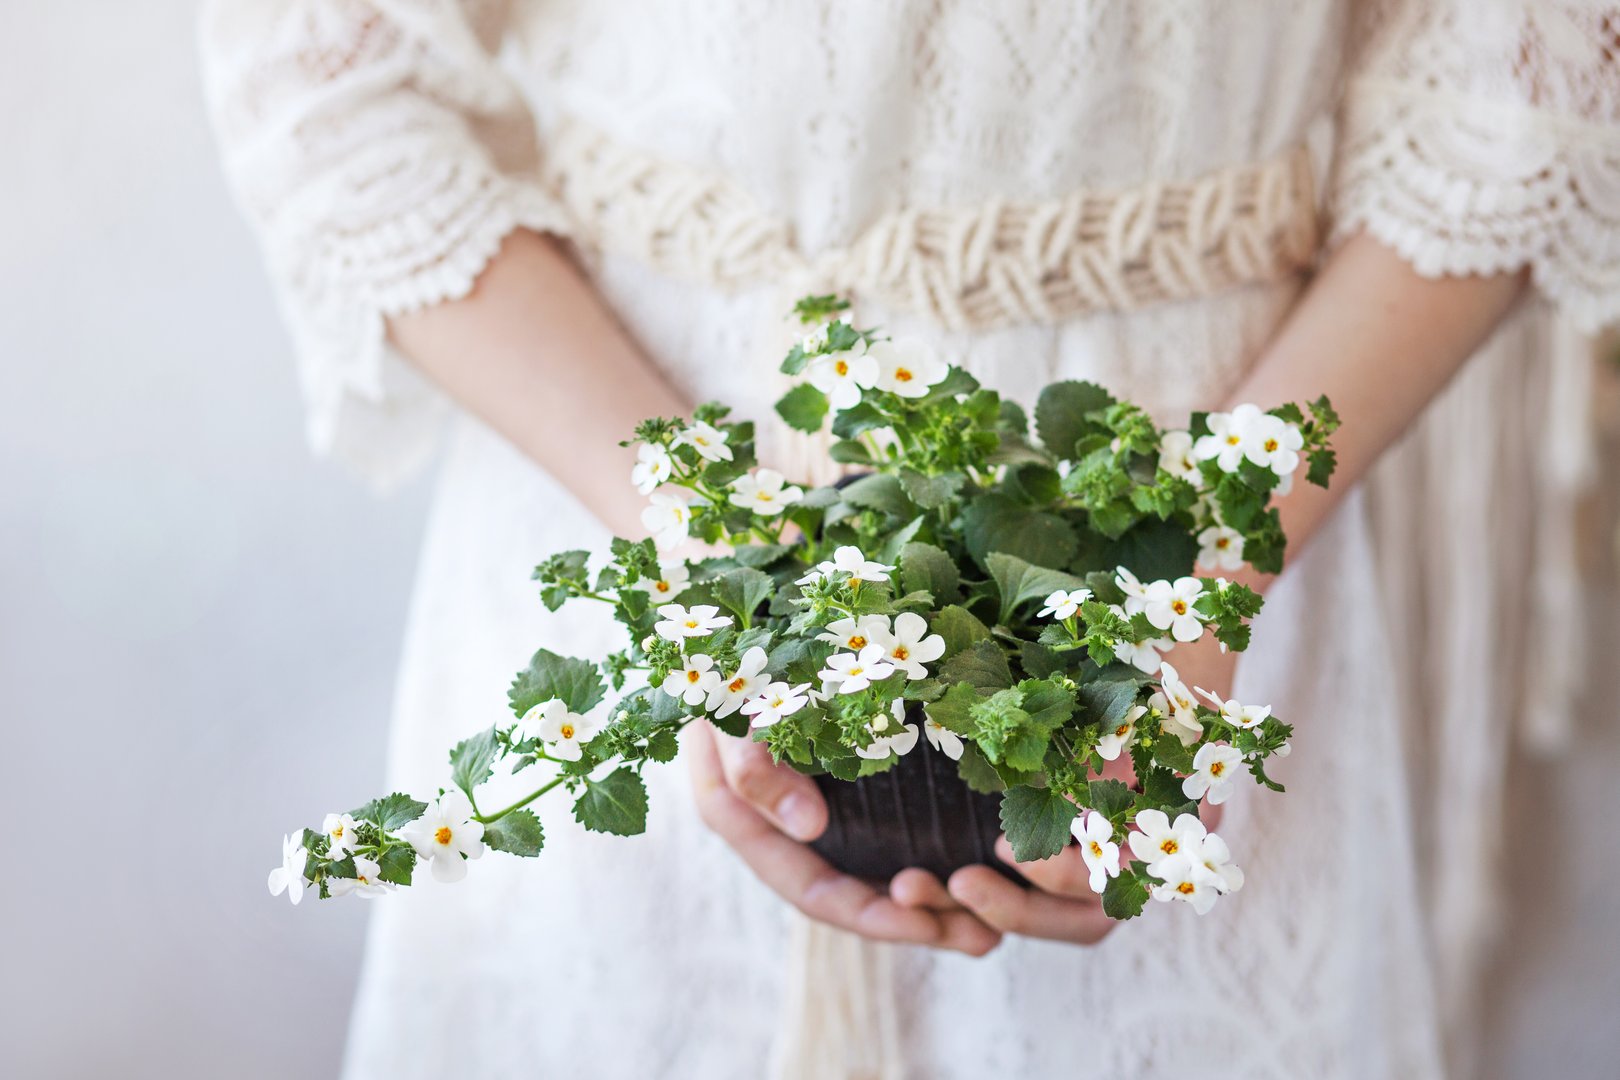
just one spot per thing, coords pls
(918, 813)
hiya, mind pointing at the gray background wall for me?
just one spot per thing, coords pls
(198, 624)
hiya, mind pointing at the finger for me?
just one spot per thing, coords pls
(1011, 909)
(799, 875)
(788, 799)
(919, 889)
(1064, 874)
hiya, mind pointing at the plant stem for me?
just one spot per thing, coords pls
(521, 803)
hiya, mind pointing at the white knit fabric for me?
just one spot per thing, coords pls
(384, 147)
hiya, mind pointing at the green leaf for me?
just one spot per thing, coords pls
(662, 745)
(1152, 549)
(471, 760)
(803, 407)
(1018, 581)
(1124, 896)
(576, 683)
(1323, 462)
(982, 665)
(849, 452)
(395, 865)
(615, 804)
(977, 772)
(926, 568)
(518, 833)
(857, 420)
(1110, 798)
(1108, 700)
(881, 492)
(391, 812)
(960, 628)
(1061, 414)
(930, 492)
(953, 710)
(995, 522)
(1049, 705)
(742, 591)
(1036, 821)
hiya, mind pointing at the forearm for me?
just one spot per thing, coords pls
(1381, 342)
(536, 355)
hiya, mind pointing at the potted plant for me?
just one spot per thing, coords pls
(955, 641)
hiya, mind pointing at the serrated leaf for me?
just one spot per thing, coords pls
(391, 812)
(853, 422)
(849, 452)
(1061, 414)
(1107, 700)
(804, 408)
(663, 745)
(1018, 580)
(576, 683)
(1151, 549)
(929, 569)
(983, 665)
(518, 833)
(960, 628)
(1049, 705)
(1110, 798)
(952, 710)
(881, 492)
(930, 492)
(977, 772)
(1036, 821)
(615, 804)
(471, 760)
(396, 864)
(742, 591)
(995, 522)
(1124, 896)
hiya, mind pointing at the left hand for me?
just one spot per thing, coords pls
(1061, 905)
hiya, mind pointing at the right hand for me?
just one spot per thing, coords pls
(767, 812)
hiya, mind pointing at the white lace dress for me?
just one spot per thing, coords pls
(709, 159)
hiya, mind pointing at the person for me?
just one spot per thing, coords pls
(564, 217)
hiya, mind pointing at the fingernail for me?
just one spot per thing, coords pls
(798, 816)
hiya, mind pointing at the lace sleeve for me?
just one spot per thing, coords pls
(382, 155)
(1481, 136)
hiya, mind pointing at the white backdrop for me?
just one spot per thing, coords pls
(198, 624)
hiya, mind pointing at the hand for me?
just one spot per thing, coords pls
(765, 811)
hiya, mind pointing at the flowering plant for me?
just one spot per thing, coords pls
(1009, 589)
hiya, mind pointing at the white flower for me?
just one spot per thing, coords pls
(678, 622)
(889, 736)
(1214, 772)
(1135, 592)
(774, 702)
(1185, 879)
(563, 732)
(1143, 654)
(764, 493)
(850, 560)
(694, 682)
(1217, 859)
(1221, 548)
(668, 519)
(653, 466)
(816, 340)
(843, 375)
(708, 441)
(855, 634)
(340, 834)
(907, 368)
(445, 833)
(1112, 742)
(909, 646)
(289, 876)
(1097, 847)
(365, 883)
(1176, 456)
(1169, 606)
(1274, 444)
(1236, 714)
(1230, 437)
(1064, 603)
(1159, 841)
(943, 739)
(1180, 707)
(672, 579)
(854, 672)
(748, 680)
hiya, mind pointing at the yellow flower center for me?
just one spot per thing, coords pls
(1271, 445)
(568, 731)
(736, 684)
(1169, 846)
(841, 366)
(763, 496)
(854, 671)
(337, 833)
(1216, 768)
(442, 834)
(1096, 849)
(857, 642)
(693, 675)
(902, 375)
(1179, 607)
(901, 652)
(661, 586)
(1233, 440)
(361, 879)
(1223, 543)
(1123, 730)
(1186, 888)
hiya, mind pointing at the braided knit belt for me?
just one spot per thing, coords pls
(1001, 263)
